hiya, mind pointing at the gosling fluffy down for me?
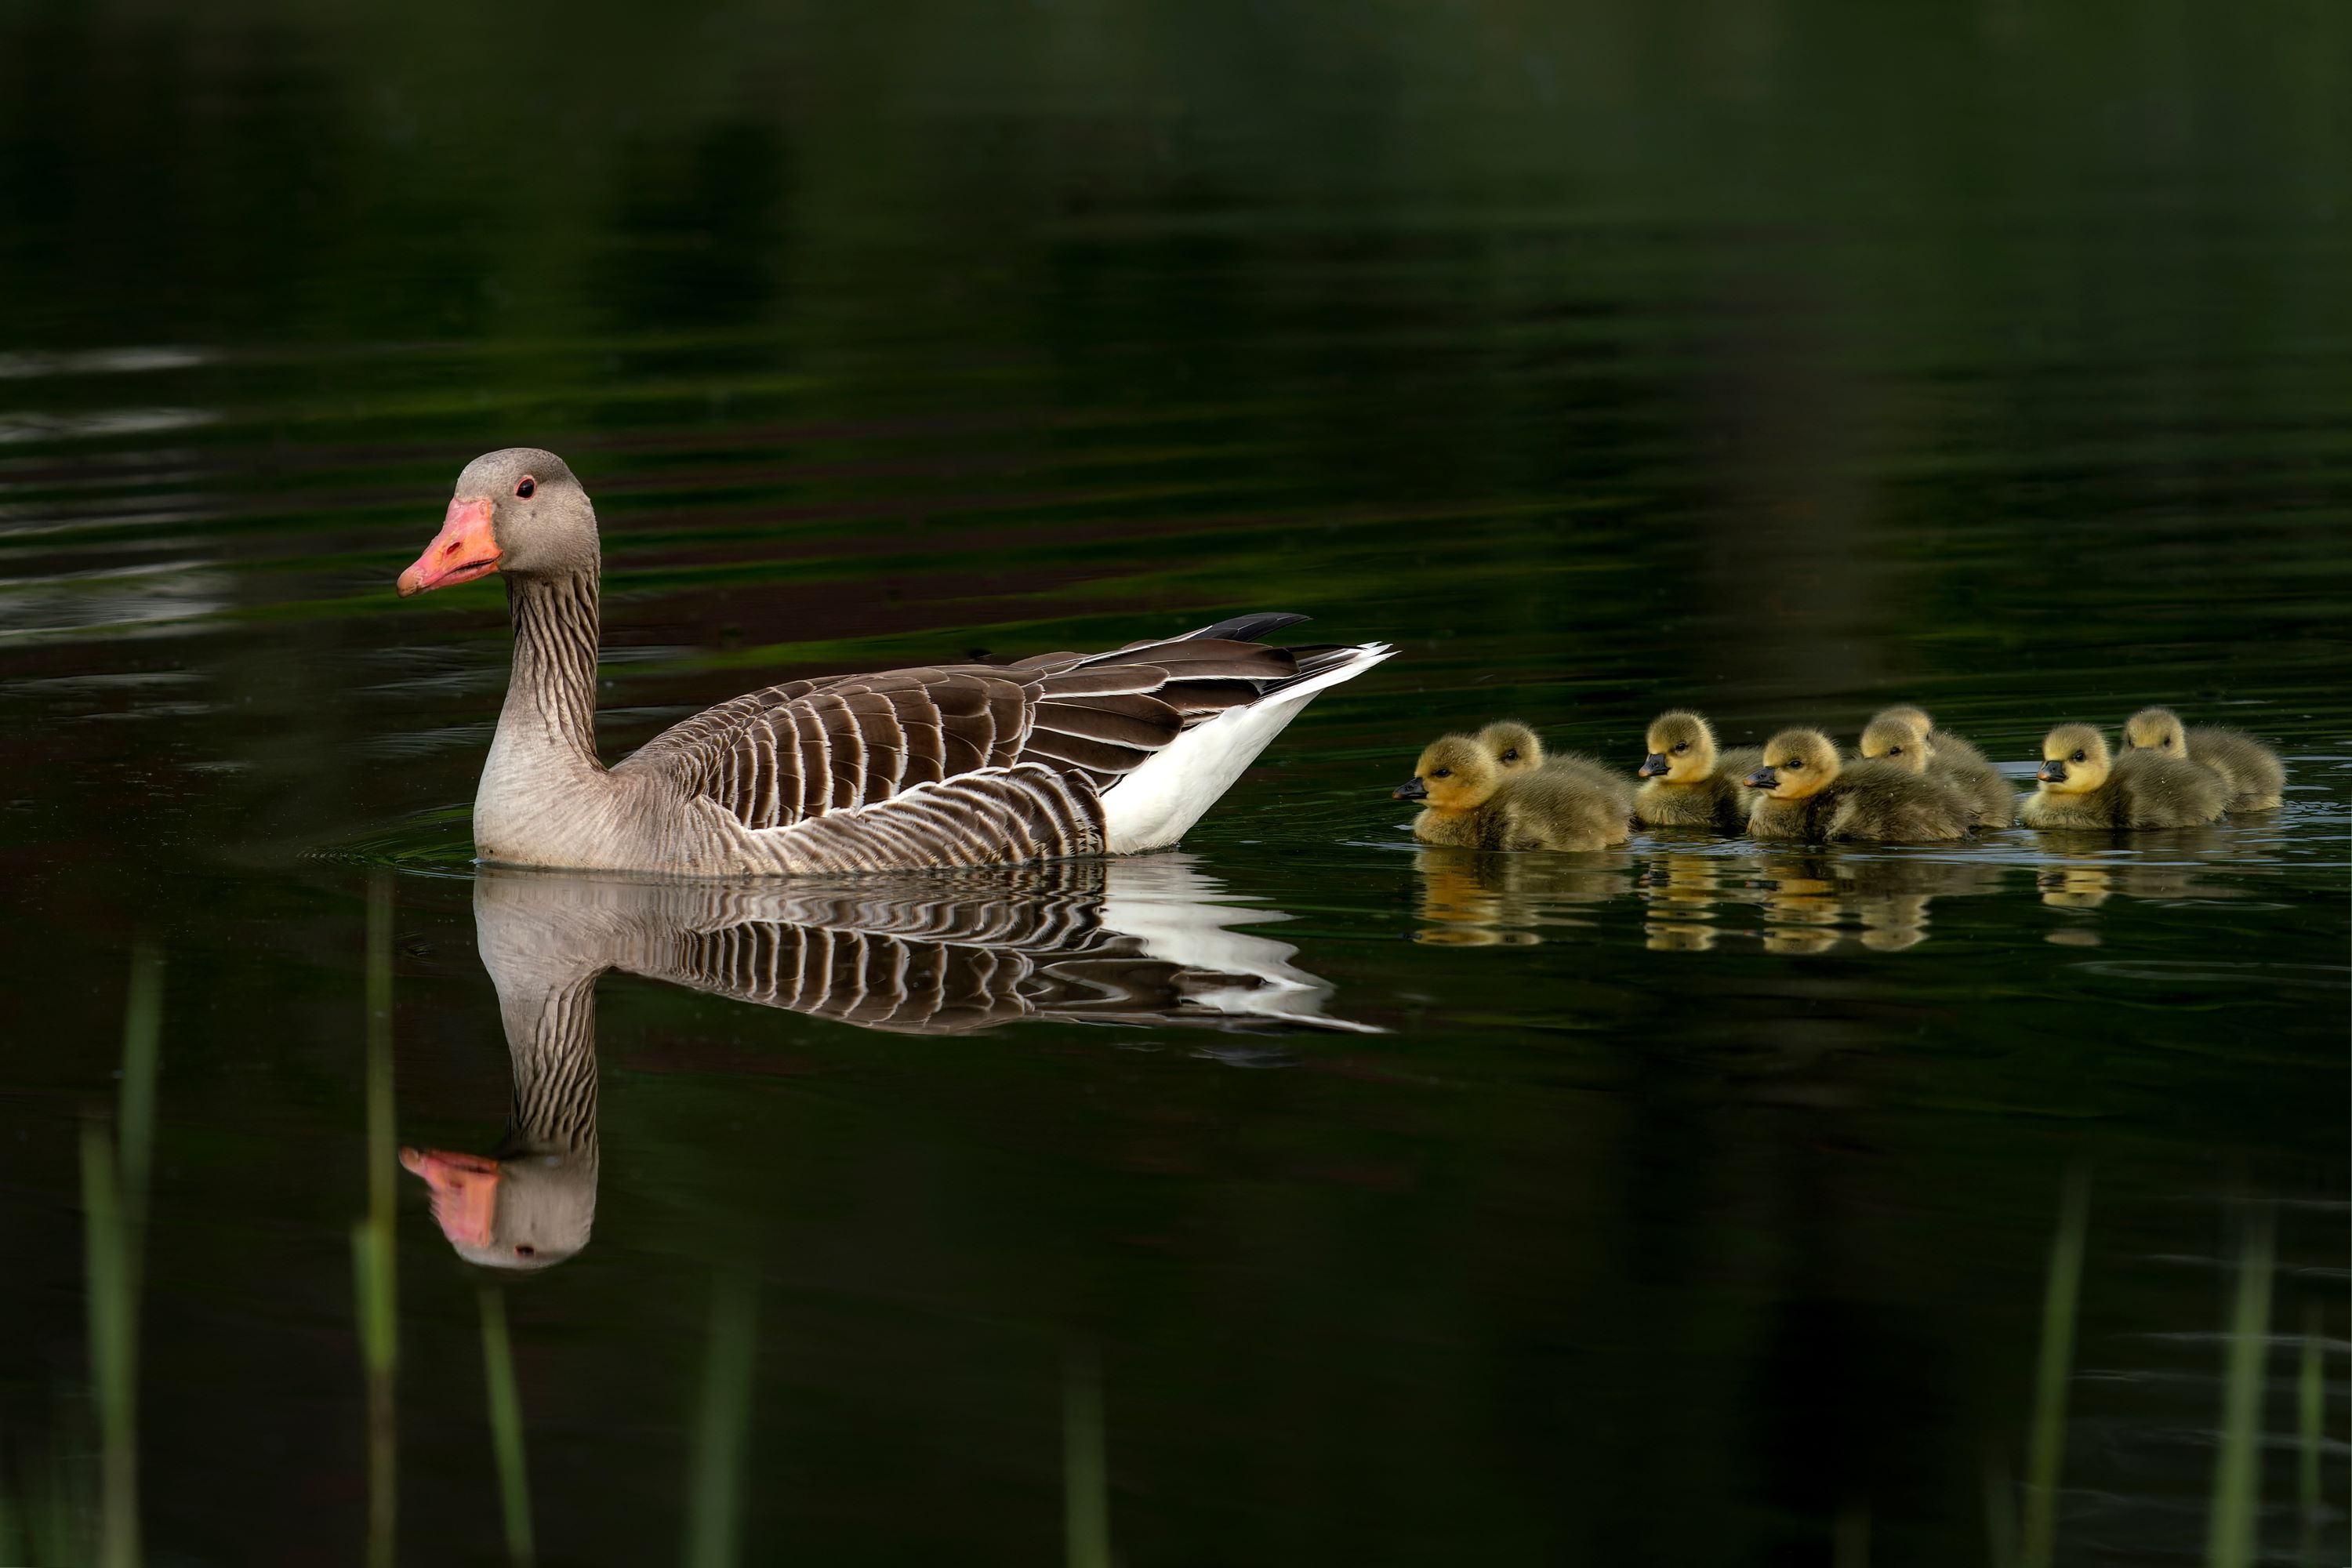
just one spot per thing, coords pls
(2251, 771)
(1808, 792)
(1689, 782)
(2083, 786)
(1469, 802)
(1905, 735)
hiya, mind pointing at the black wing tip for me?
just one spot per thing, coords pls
(1246, 628)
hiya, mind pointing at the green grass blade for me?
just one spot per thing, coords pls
(142, 1035)
(714, 1475)
(2045, 1454)
(506, 1427)
(1086, 1482)
(2311, 1421)
(113, 1351)
(2237, 1466)
(374, 1277)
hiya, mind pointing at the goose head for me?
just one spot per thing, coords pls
(1797, 764)
(1513, 746)
(1682, 749)
(1455, 772)
(2075, 760)
(525, 1212)
(519, 511)
(1893, 739)
(2155, 729)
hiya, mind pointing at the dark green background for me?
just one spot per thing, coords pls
(1779, 358)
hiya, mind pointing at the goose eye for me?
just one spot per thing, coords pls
(527, 487)
(525, 1249)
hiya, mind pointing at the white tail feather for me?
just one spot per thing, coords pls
(1158, 804)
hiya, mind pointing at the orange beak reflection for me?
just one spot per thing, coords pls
(461, 553)
(465, 1192)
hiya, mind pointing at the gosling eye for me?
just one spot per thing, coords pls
(2075, 758)
(1894, 751)
(2166, 741)
(1512, 756)
(526, 488)
(1792, 762)
(1443, 773)
(1682, 745)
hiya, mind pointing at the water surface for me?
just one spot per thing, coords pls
(1689, 1202)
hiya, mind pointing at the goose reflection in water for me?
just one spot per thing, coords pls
(1807, 903)
(1148, 940)
(2159, 866)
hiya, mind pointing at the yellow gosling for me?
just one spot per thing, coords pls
(1468, 801)
(2251, 771)
(1808, 792)
(2082, 787)
(1899, 736)
(1513, 745)
(1688, 782)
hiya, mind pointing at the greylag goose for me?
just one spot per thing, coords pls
(1148, 940)
(1688, 782)
(1895, 739)
(1468, 801)
(2251, 771)
(2084, 786)
(1809, 792)
(1059, 755)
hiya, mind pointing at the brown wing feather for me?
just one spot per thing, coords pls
(794, 754)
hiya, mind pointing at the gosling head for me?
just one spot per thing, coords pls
(2155, 729)
(1797, 763)
(1513, 746)
(1456, 773)
(1911, 714)
(1897, 740)
(2073, 760)
(1682, 749)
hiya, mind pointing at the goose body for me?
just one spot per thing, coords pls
(1689, 782)
(1947, 758)
(1811, 792)
(1470, 801)
(1060, 755)
(2083, 786)
(2250, 772)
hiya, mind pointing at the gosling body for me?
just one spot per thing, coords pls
(2083, 786)
(1689, 782)
(1469, 801)
(1810, 792)
(1950, 760)
(2251, 772)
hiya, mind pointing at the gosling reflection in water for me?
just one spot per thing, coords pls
(1471, 897)
(1141, 941)
(1807, 903)
(2161, 864)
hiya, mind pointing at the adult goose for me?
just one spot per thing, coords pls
(1058, 756)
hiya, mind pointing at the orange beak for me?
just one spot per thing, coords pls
(465, 1192)
(461, 553)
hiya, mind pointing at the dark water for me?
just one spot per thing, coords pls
(1691, 1203)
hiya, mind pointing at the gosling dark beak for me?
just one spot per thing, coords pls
(1412, 789)
(1652, 764)
(1763, 778)
(2052, 772)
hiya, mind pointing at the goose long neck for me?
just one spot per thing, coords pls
(551, 699)
(552, 1035)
